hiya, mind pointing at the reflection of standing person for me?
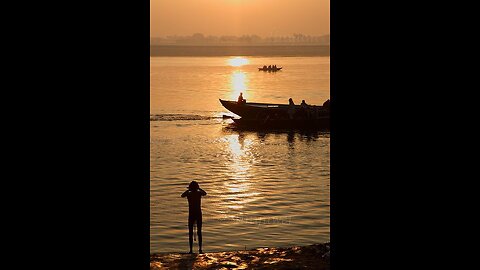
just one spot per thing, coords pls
(194, 195)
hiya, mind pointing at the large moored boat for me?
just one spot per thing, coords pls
(270, 115)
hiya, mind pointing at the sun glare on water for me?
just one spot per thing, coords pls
(239, 189)
(238, 61)
(238, 84)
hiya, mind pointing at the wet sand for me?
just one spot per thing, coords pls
(315, 256)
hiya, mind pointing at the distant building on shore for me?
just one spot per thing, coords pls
(245, 40)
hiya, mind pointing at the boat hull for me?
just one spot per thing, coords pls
(264, 115)
(254, 110)
(269, 69)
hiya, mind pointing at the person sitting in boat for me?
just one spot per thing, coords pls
(274, 67)
(269, 67)
(304, 104)
(291, 108)
(241, 100)
(265, 67)
(304, 110)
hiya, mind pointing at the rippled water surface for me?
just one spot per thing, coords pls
(264, 188)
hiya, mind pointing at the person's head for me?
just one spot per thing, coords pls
(303, 101)
(193, 185)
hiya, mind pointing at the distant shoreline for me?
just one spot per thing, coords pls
(236, 50)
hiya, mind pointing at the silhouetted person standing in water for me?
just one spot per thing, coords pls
(194, 195)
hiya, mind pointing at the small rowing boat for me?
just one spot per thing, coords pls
(269, 69)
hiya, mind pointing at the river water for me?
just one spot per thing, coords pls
(264, 188)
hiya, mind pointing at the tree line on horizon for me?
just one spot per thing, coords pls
(201, 39)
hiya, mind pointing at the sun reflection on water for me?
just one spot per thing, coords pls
(238, 61)
(238, 185)
(238, 84)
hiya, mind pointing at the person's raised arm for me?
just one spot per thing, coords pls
(202, 192)
(185, 193)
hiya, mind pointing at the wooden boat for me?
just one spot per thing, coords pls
(269, 69)
(269, 115)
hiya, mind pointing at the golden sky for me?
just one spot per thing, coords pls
(239, 17)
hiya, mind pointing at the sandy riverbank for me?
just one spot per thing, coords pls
(315, 256)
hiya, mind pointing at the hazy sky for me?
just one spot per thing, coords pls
(239, 17)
